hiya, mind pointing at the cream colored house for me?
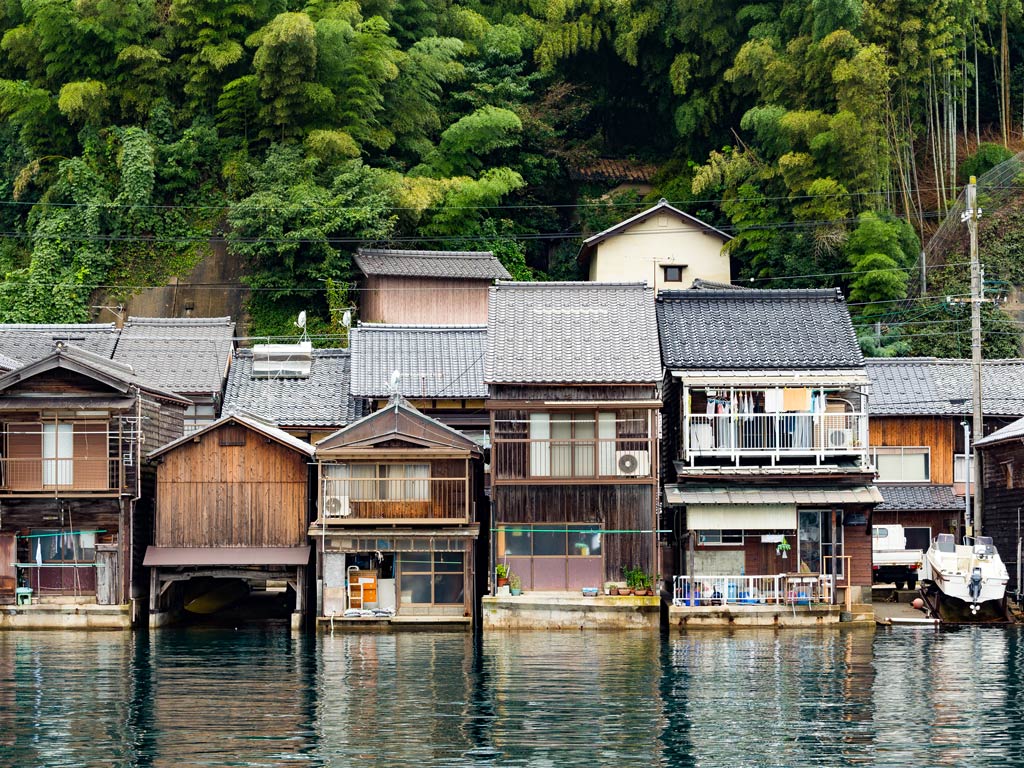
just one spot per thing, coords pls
(662, 246)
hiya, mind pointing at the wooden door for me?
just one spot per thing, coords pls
(8, 573)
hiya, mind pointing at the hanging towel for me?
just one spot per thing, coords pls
(39, 553)
(796, 399)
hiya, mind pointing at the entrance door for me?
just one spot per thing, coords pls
(918, 537)
(816, 542)
(8, 573)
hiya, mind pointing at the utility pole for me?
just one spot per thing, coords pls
(971, 216)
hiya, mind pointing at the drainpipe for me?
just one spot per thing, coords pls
(968, 471)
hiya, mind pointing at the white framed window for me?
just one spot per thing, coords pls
(963, 467)
(719, 538)
(902, 464)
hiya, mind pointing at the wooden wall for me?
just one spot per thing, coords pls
(1000, 514)
(214, 495)
(937, 432)
(857, 545)
(422, 300)
(615, 507)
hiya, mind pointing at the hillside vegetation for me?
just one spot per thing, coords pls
(827, 135)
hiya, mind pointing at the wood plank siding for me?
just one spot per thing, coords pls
(936, 432)
(1003, 515)
(232, 488)
(424, 300)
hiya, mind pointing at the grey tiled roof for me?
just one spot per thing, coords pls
(470, 265)
(27, 342)
(433, 360)
(188, 355)
(8, 363)
(744, 329)
(927, 386)
(908, 498)
(321, 400)
(571, 333)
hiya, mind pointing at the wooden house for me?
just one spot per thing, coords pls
(440, 371)
(574, 379)
(232, 504)
(426, 287)
(919, 407)
(187, 355)
(400, 509)
(1002, 470)
(662, 246)
(72, 429)
(302, 390)
(767, 472)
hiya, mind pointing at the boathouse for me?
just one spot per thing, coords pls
(768, 482)
(72, 429)
(400, 513)
(232, 508)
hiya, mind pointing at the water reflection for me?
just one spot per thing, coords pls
(261, 697)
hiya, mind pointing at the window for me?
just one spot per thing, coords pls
(589, 444)
(232, 435)
(673, 274)
(378, 482)
(720, 538)
(555, 540)
(902, 465)
(58, 454)
(54, 546)
(816, 546)
(432, 578)
(1008, 474)
(960, 474)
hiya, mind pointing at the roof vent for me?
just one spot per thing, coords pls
(282, 361)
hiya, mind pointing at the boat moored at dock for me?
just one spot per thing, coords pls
(965, 582)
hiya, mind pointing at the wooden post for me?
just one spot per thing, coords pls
(154, 589)
(300, 589)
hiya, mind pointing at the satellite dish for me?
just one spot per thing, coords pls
(346, 319)
(301, 322)
(396, 377)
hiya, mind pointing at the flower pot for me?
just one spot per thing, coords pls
(624, 592)
(502, 582)
(516, 592)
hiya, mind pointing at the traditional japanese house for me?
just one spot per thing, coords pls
(767, 465)
(188, 355)
(439, 369)
(433, 287)
(27, 342)
(661, 246)
(232, 510)
(400, 512)
(72, 429)
(302, 390)
(919, 408)
(574, 379)
(1002, 471)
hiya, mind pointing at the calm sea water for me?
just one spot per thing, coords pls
(261, 697)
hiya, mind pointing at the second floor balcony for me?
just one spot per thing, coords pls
(63, 458)
(773, 424)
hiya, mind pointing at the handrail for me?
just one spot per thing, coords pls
(777, 589)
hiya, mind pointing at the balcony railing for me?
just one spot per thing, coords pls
(780, 589)
(393, 500)
(520, 459)
(62, 476)
(735, 435)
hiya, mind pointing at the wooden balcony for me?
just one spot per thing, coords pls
(61, 477)
(774, 435)
(578, 459)
(395, 501)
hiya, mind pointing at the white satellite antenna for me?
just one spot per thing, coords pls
(346, 319)
(301, 324)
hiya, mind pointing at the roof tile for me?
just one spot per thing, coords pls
(185, 354)
(928, 386)
(469, 265)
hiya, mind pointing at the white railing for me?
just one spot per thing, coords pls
(780, 589)
(778, 434)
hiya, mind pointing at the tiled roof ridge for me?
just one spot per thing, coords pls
(474, 327)
(132, 320)
(754, 294)
(90, 327)
(317, 352)
(566, 283)
(424, 254)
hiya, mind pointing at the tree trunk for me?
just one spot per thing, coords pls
(1004, 67)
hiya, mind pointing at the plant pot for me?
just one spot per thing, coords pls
(624, 592)
(515, 592)
(503, 582)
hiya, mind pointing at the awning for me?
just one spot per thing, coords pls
(212, 556)
(749, 517)
(761, 495)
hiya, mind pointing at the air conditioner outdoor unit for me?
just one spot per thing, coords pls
(840, 438)
(336, 506)
(632, 463)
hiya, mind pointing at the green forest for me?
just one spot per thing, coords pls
(829, 137)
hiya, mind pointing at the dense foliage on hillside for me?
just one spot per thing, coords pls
(826, 135)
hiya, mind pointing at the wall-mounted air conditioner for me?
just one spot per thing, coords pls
(632, 463)
(336, 506)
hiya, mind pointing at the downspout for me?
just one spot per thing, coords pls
(137, 459)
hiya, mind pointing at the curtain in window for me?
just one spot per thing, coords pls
(58, 454)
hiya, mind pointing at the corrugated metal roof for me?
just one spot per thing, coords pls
(738, 494)
(434, 361)
(468, 265)
(928, 386)
(571, 333)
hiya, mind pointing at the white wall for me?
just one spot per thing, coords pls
(639, 253)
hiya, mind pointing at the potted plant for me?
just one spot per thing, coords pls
(515, 585)
(501, 572)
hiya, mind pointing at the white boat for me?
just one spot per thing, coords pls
(969, 577)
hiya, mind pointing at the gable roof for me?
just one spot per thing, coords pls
(467, 265)
(924, 497)
(401, 421)
(187, 354)
(928, 386)
(1012, 431)
(321, 399)
(586, 333)
(116, 375)
(433, 360)
(27, 342)
(246, 420)
(663, 206)
(744, 329)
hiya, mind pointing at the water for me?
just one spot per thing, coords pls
(261, 697)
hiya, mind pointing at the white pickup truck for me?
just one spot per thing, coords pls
(892, 562)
